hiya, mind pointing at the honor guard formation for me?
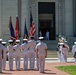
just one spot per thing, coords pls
(29, 50)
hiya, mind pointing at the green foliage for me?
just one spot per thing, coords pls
(68, 69)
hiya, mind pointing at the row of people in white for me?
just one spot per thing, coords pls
(27, 50)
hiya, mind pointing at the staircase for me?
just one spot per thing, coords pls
(51, 44)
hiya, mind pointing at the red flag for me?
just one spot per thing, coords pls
(17, 28)
(32, 26)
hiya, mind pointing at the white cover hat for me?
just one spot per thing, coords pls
(40, 38)
(0, 39)
(10, 40)
(25, 39)
(3, 42)
(17, 40)
(74, 42)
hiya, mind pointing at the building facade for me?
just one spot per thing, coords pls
(56, 16)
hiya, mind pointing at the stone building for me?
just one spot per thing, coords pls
(56, 16)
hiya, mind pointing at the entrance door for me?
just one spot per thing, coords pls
(44, 26)
(46, 18)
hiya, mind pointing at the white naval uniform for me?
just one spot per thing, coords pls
(58, 52)
(41, 48)
(31, 46)
(74, 50)
(47, 35)
(61, 54)
(4, 58)
(1, 48)
(17, 56)
(37, 60)
(65, 53)
(24, 49)
(10, 56)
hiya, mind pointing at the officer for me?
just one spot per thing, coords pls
(1, 55)
(37, 60)
(47, 35)
(10, 54)
(58, 47)
(74, 50)
(31, 47)
(61, 52)
(24, 49)
(17, 51)
(41, 52)
(65, 50)
(4, 55)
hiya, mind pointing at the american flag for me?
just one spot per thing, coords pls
(32, 26)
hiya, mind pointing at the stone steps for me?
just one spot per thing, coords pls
(53, 43)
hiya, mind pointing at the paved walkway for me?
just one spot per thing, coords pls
(49, 68)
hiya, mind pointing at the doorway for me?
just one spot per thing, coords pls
(46, 16)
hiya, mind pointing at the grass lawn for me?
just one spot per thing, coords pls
(68, 69)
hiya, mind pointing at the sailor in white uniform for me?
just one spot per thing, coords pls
(10, 54)
(37, 60)
(74, 50)
(65, 50)
(4, 55)
(1, 55)
(41, 51)
(31, 46)
(61, 52)
(17, 51)
(24, 49)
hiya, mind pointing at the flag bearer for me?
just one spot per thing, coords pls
(10, 54)
(4, 56)
(1, 55)
(17, 51)
(31, 46)
(41, 50)
(24, 49)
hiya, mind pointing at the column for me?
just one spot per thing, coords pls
(74, 17)
(60, 17)
(1, 5)
(68, 18)
(25, 8)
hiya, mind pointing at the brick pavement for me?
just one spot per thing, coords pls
(49, 69)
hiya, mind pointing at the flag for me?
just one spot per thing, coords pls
(17, 28)
(25, 31)
(32, 26)
(12, 34)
